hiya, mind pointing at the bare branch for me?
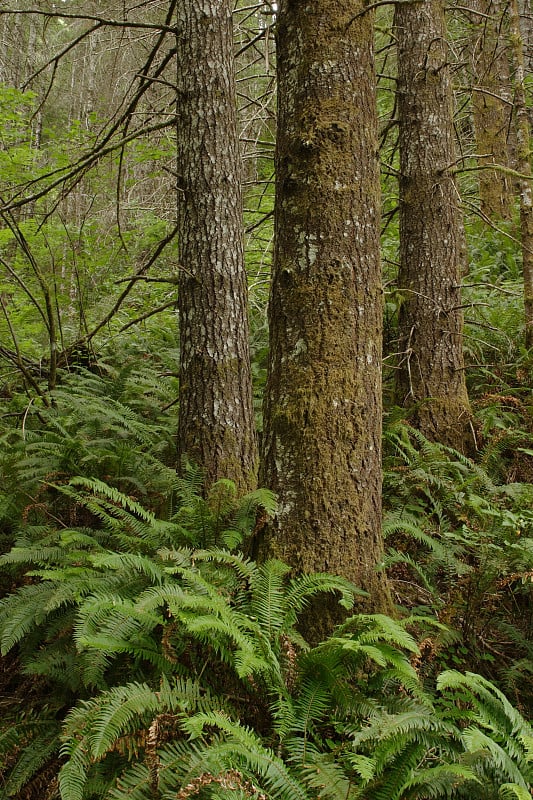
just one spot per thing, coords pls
(100, 21)
(148, 314)
(144, 268)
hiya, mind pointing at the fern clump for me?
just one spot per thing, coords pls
(461, 544)
(109, 426)
(174, 666)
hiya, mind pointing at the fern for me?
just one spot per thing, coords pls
(176, 662)
(513, 791)
(242, 747)
(439, 781)
(37, 753)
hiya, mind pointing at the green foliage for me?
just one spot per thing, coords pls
(174, 666)
(108, 425)
(462, 543)
(152, 659)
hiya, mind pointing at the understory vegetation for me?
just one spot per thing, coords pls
(144, 654)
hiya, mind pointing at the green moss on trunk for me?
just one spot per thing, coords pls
(322, 410)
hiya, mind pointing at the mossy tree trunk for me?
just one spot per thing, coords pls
(322, 413)
(492, 106)
(216, 423)
(430, 375)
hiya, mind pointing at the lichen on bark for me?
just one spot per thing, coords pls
(216, 426)
(323, 397)
(430, 379)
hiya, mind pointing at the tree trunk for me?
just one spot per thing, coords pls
(430, 375)
(523, 164)
(216, 423)
(322, 413)
(491, 106)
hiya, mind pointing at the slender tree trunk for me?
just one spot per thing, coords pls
(492, 106)
(430, 375)
(525, 8)
(523, 163)
(322, 413)
(216, 423)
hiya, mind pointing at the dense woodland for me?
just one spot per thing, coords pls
(266, 408)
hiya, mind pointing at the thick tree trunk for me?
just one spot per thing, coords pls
(492, 106)
(216, 423)
(322, 414)
(430, 375)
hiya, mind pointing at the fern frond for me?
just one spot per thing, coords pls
(304, 587)
(438, 781)
(26, 610)
(498, 760)
(513, 791)
(419, 723)
(241, 747)
(93, 728)
(372, 628)
(268, 601)
(133, 562)
(35, 754)
(399, 768)
(243, 567)
(491, 706)
(320, 772)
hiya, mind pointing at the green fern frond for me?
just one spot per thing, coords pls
(240, 746)
(395, 523)
(73, 774)
(243, 568)
(26, 610)
(35, 754)
(438, 781)
(268, 602)
(56, 663)
(320, 772)
(312, 705)
(491, 706)
(372, 628)
(94, 726)
(304, 587)
(498, 759)
(122, 631)
(513, 791)
(135, 783)
(324, 668)
(418, 723)
(397, 769)
(104, 492)
(242, 521)
(393, 557)
(125, 562)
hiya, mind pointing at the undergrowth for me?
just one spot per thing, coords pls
(144, 656)
(461, 542)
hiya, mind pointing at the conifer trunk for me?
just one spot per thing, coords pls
(430, 375)
(216, 423)
(491, 106)
(322, 413)
(523, 163)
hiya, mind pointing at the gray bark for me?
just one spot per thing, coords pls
(216, 423)
(430, 375)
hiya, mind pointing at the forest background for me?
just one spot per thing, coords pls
(279, 247)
